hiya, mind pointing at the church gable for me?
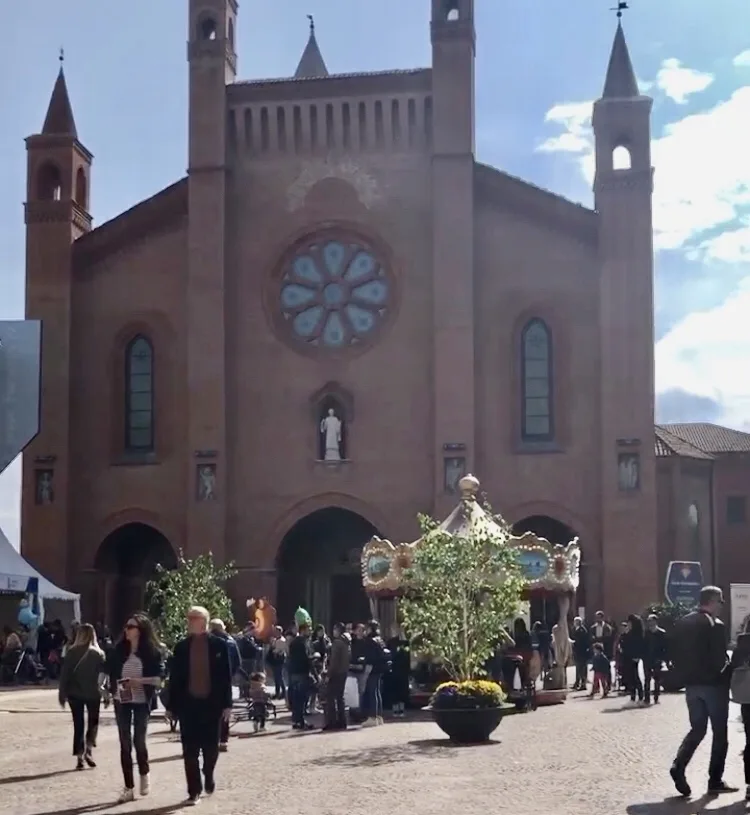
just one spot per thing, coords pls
(496, 189)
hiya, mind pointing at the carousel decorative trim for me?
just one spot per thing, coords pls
(545, 566)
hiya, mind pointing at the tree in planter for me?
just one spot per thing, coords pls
(462, 589)
(195, 582)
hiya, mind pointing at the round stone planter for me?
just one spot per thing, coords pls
(469, 725)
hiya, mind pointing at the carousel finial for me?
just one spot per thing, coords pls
(469, 486)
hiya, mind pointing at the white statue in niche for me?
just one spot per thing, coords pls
(207, 482)
(330, 426)
(629, 475)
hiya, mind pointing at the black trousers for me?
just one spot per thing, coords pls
(84, 735)
(582, 668)
(631, 678)
(199, 732)
(651, 672)
(334, 702)
(132, 724)
(745, 711)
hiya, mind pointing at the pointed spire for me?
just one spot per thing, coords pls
(311, 64)
(620, 82)
(59, 120)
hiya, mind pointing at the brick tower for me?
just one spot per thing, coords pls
(453, 52)
(623, 189)
(57, 212)
(212, 65)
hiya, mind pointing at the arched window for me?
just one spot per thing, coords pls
(139, 395)
(536, 382)
(81, 191)
(621, 159)
(49, 182)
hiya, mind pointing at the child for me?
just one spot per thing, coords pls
(602, 671)
(259, 699)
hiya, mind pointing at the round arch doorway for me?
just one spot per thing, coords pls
(318, 567)
(125, 562)
(545, 609)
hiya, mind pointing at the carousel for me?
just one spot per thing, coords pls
(549, 570)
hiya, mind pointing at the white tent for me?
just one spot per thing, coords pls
(15, 573)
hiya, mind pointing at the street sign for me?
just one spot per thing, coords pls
(20, 386)
(684, 582)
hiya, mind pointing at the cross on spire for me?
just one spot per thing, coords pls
(61, 56)
(619, 8)
(312, 23)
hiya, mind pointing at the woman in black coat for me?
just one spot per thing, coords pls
(632, 644)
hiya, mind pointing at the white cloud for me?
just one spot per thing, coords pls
(678, 82)
(742, 60)
(701, 208)
(707, 354)
(702, 177)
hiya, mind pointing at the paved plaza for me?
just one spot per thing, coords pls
(581, 758)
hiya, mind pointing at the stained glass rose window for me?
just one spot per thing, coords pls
(334, 294)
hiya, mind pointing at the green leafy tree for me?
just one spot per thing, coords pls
(462, 589)
(669, 613)
(195, 582)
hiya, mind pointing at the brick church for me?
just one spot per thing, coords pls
(334, 315)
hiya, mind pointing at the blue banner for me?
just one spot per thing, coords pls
(684, 582)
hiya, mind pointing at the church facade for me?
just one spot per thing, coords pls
(335, 315)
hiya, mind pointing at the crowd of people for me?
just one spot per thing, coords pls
(351, 675)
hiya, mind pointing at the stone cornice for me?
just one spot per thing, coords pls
(46, 212)
(625, 180)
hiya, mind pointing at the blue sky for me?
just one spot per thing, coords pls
(539, 65)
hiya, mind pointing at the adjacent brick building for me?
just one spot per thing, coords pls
(337, 252)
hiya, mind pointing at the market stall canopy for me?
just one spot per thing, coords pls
(16, 574)
(545, 566)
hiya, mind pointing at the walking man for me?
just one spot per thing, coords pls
(200, 696)
(701, 662)
(338, 671)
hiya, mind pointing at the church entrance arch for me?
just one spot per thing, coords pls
(318, 567)
(126, 560)
(545, 609)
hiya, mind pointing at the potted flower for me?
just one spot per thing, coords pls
(463, 585)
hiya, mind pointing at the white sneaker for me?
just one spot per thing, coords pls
(126, 796)
(145, 785)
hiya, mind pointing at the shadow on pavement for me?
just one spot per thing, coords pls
(676, 805)
(19, 779)
(93, 808)
(394, 754)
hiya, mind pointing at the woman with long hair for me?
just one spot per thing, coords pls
(631, 652)
(136, 669)
(81, 687)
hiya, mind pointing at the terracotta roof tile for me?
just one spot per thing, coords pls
(668, 444)
(711, 438)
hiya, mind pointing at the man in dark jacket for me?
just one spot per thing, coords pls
(700, 660)
(654, 656)
(338, 671)
(300, 666)
(200, 695)
(581, 652)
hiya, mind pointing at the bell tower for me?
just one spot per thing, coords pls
(212, 65)
(623, 189)
(56, 213)
(453, 48)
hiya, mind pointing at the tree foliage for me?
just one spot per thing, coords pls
(462, 590)
(195, 582)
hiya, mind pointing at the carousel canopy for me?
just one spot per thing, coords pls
(545, 566)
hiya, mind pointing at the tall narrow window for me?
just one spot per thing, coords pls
(265, 133)
(330, 128)
(536, 382)
(379, 131)
(281, 128)
(139, 396)
(297, 127)
(346, 126)
(362, 118)
(313, 127)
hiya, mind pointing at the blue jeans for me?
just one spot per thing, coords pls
(299, 693)
(372, 702)
(706, 703)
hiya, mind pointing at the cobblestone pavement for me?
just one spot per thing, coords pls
(581, 758)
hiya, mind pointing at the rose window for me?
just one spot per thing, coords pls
(334, 294)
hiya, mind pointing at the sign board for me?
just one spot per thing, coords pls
(19, 584)
(739, 606)
(684, 582)
(20, 386)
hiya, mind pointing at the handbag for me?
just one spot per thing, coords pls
(740, 685)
